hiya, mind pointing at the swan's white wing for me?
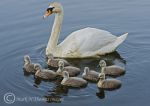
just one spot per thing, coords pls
(86, 40)
(92, 39)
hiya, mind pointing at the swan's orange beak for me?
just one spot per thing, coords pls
(47, 13)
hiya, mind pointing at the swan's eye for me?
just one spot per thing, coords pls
(50, 9)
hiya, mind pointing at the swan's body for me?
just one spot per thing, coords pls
(108, 84)
(87, 42)
(44, 73)
(28, 65)
(113, 70)
(90, 75)
(73, 81)
(73, 71)
(54, 62)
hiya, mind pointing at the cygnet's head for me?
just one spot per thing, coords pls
(86, 70)
(102, 63)
(54, 7)
(37, 67)
(27, 59)
(61, 64)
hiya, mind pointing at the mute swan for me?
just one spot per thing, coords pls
(44, 73)
(112, 70)
(87, 42)
(54, 62)
(90, 75)
(73, 71)
(28, 65)
(73, 81)
(108, 84)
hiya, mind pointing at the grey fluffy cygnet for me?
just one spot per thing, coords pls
(44, 73)
(108, 84)
(113, 70)
(75, 82)
(90, 75)
(28, 65)
(73, 71)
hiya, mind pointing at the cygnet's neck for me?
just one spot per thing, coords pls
(64, 79)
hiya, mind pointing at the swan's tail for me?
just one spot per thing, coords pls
(121, 39)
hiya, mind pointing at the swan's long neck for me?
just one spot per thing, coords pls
(53, 40)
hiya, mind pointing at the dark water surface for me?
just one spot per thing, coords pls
(23, 31)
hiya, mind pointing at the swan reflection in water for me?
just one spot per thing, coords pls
(57, 93)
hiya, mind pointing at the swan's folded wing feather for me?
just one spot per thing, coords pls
(93, 39)
(86, 40)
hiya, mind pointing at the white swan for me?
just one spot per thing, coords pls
(87, 42)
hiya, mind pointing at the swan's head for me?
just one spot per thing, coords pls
(102, 63)
(54, 7)
(27, 59)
